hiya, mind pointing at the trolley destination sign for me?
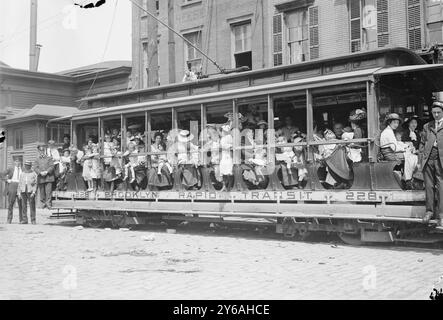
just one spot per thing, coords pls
(258, 195)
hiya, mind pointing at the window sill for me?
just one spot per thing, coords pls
(190, 3)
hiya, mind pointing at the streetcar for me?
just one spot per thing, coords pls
(373, 207)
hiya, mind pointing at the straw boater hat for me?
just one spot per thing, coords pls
(28, 163)
(438, 104)
(185, 136)
(392, 116)
(230, 117)
(41, 145)
(51, 142)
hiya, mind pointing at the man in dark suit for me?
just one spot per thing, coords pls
(12, 176)
(44, 167)
(431, 161)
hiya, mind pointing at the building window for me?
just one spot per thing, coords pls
(363, 22)
(18, 139)
(382, 23)
(56, 132)
(355, 15)
(193, 57)
(277, 39)
(414, 24)
(314, 43)
(241, 34)
(297, 36)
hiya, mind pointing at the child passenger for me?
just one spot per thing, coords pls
(65, 164)
(132, 157)
(411, 160)
(163, 161)
(298, 161)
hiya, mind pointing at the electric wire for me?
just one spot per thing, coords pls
(106, 47)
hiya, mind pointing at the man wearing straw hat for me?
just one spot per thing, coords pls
(27, 188)
(431, 162)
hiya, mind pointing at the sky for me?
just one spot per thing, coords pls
(70, 36)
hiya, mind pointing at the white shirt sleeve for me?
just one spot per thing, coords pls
(387, 139)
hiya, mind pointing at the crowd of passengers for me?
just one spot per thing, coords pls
(91, 169)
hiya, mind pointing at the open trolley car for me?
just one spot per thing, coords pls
(374, 206)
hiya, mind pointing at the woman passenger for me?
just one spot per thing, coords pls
(96, 171)
(187, 161)
(213, 145)
(334, 158)
(299, 161)
(411, 134)
(226, 161)
(87, 166)
(159, 176)
(356, 119)
(284, 157)
(390, 149)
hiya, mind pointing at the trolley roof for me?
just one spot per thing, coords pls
(432, 73)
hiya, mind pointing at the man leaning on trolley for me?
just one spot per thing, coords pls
(431, 163)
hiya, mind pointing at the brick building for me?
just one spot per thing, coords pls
(266, 33)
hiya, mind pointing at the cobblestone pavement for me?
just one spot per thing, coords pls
(53, 260)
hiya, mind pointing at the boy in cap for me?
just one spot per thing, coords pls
(27, 187)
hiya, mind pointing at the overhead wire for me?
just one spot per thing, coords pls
(105, 49)
(22, 31)
(181, 36)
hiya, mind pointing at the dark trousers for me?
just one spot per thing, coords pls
(28, 197)
(433, 177)
(45, 190)
(12, 197)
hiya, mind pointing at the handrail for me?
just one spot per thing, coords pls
(249, 147)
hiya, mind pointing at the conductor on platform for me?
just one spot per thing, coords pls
(431, 162)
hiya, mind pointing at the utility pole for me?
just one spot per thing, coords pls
(171, 42)
(33, 49)
(152, 67)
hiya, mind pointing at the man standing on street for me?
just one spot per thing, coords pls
(431, 160)
(44, 168)
(12, 176)
(27, 187)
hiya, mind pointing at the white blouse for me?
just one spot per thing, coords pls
(387, 139)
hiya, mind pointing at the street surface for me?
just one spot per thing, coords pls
(57, 260)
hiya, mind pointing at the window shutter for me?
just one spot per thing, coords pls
(355, 14)
(414, 24)
(277, 37)
(382, 23)
(314, 43)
